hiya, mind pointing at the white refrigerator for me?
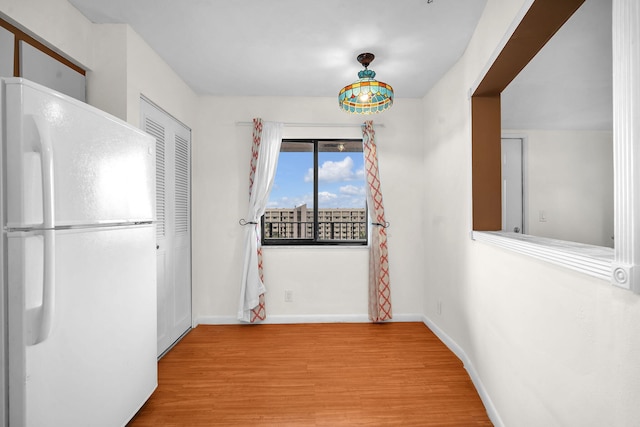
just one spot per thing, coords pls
(78, 262)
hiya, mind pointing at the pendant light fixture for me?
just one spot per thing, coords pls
(366, 95)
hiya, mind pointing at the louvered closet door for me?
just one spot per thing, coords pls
(173, 232)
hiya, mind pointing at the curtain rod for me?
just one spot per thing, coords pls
(316, 125)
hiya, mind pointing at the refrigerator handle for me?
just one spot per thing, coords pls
(45, 147)
(45, 313)
(41, 318)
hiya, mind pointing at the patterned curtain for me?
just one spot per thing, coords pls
(267, 138)
(379, 285)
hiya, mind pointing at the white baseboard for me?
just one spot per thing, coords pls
(314, 318)
(475, 378)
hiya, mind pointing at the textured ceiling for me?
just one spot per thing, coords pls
(298, 47)
(309, 48)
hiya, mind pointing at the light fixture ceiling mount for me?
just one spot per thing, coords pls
(366, 95)
(366, 58)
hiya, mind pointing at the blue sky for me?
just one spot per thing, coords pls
(341, 180)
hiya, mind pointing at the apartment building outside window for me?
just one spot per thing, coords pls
(328, 174)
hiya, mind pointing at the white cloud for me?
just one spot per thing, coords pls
(309, 176)
(352, 190)
(325, 197)
(335, 171)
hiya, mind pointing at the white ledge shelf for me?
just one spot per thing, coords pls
(588, 259)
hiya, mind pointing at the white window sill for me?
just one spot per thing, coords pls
(592, 260)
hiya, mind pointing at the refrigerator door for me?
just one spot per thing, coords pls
(72, 164)
(97, 365)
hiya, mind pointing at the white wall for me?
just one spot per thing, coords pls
(569, 177)
(550, 346)
(149, 75)
(125, 67)
(107, 78)
(326, 281)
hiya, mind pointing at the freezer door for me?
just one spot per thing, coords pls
(97, 364)
(71, 163)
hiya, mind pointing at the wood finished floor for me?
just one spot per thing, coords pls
(392, 374)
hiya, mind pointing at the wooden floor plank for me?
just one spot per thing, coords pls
(391, 374)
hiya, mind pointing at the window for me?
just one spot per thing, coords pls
(619, 265)
(21, 55)
(318, 196)
(560, 104)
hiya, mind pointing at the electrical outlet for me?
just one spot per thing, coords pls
(288, 296)
(439, 308)
(542, 216)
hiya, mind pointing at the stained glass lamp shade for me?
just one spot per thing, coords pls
(366, 95)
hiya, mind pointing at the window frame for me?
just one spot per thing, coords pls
(20, 35)
(316, 241)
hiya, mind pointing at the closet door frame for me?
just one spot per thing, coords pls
(173, 211)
